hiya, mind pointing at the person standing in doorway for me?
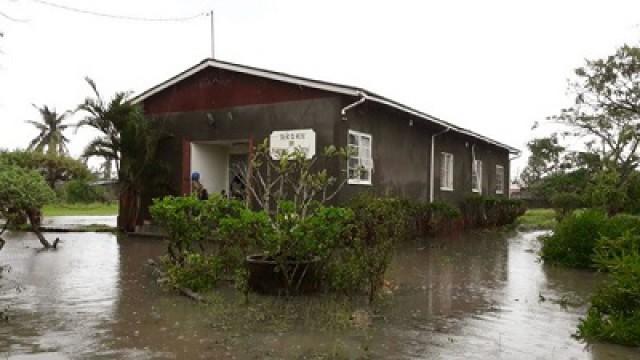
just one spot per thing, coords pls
(196, 187)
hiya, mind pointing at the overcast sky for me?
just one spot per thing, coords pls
(492, 66)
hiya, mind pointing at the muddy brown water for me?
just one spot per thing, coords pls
(477, 296)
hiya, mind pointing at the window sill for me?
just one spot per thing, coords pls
(475, 191)
(446, 189)
(499, 192)
(358, 182)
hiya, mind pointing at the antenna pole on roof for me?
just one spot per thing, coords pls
(212, 47)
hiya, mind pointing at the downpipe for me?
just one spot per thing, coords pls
(363, 98)
(518, 155)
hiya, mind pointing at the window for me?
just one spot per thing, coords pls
(499, 179)
(360, 163)
(476, 176)
(446, 171)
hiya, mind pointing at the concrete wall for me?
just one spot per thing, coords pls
(402, 154)
(212, 162)
(241, 124)
(460, 146)
(401, 144)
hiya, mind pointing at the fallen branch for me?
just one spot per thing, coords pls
(183, 291)
(191, 294)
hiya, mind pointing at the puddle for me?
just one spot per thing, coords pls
(478, 296)
(72, 222)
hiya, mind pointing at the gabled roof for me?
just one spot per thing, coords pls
(315, 84)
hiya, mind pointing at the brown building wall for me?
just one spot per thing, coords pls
(217, 105)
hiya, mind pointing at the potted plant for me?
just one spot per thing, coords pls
(303, 232)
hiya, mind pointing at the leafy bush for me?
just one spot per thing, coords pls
(573, 241)
(606, 193)
(51, 166)
(619, 224)
(225, 225)
(566, 203)
(614, 315)
(22, 195)
(610, 251)
(79, 191)
(473, 211)
(434, 218)
(479, 211)
(379, 223)
(198, 272)
(582, 236)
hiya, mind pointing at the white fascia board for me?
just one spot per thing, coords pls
(248, 71)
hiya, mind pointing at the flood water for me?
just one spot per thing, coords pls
(477, 296)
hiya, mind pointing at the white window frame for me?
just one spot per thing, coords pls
(446, 175)
(500, 180)
(476, 171)
(365, 164)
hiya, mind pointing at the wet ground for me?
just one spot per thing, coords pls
(480, 296)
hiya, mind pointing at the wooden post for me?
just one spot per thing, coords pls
(249, 173)
(185, 187)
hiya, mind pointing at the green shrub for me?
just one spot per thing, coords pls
(619, 224)
(565, 203)
(573, 241)
(610, 251)
(479, 211)
(614, 315)
(198, 272)
(379, 224)
(80, 191)
(52, 167)
(473, 211)
(434, 218)
(220, 225)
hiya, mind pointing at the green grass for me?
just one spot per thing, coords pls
(537, 219)
(94, 209)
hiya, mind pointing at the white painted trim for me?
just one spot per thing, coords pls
(315, 84)
(500, 192)
(447, 188)
(360, 181)
(478, 176)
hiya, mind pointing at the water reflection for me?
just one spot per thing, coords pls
(478, 296)
(65, 296)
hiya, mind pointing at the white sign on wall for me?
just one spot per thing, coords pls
(287, 141)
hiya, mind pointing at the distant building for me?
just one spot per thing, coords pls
(218, 110)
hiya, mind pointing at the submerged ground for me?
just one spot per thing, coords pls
(477, 296)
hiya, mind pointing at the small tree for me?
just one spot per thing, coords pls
(606, 111)
(292, 177)
(129, 141)
(22, 194)
(545, 159)
(52, 167)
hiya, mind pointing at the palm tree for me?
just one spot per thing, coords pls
(128, 140)
(51, 127)
(108, 117)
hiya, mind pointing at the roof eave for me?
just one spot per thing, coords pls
(316, 84)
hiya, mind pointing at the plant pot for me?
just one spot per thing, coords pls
(266, 275)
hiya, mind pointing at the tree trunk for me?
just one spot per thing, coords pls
(34, 220)
(129, 208)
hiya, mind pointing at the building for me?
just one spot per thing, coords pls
(217, 110)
